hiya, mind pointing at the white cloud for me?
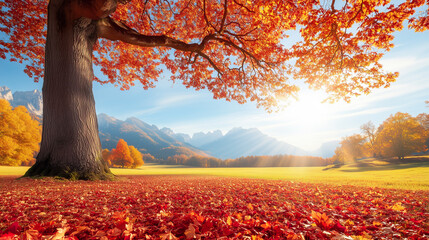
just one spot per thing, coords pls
(404, 64)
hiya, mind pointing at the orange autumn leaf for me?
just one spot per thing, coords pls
(322, 220)
(229, 221)
(190, 232)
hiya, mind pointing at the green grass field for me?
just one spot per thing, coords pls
(370, 173)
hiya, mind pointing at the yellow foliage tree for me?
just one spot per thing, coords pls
(423, 119)
(400, 135)
(137, 157)
(350, 149)
(20, 135)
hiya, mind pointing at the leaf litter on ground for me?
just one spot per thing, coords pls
(198, 207)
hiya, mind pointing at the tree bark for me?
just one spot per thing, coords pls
(70, 145)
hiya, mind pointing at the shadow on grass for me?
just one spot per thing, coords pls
(391, 164)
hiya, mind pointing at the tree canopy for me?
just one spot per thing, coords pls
(121, 155)
(401, 134)
(237, 49)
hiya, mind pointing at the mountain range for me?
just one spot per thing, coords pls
(240, 142)
(32, 100)
(147, 138)
(162, 143)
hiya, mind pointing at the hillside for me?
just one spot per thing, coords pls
(241, 142)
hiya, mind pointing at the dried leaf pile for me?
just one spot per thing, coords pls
(189, 207)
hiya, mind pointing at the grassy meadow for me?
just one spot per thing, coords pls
(369, 173)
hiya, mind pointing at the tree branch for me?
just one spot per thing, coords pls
(225, 13)
(114, 30)
(205, 16)
(241, 5)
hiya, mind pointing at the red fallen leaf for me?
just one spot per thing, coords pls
(100, 234)
(79, 229)
(339, 227)
(114, 232)
(207, 226)
(226, 231)
(13, 228)
(372, 228)
(8, 236)
(47, 228)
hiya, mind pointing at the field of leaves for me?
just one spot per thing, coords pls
(189, 207)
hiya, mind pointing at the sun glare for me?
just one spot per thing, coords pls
(308, 110)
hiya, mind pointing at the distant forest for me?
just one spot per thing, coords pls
(250, 161)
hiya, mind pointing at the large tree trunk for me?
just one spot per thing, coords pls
(70, 145)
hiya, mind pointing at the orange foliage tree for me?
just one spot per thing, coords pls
(237, 49)
(121, 155)
(19, 135)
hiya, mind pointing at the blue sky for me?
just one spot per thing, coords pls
(306, 123)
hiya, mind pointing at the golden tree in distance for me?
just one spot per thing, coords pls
(121, 155)
(400, 135)
(20, 135)
(137, 157)
(351, 148)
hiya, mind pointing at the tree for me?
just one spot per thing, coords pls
(239, 50)
(423, 119)
(350, 149)
(19, 135)
(147, 157)
(400, 135)
(370, 132)
(338, 158)
(137, 157)
(121, 155)
(107, 156)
